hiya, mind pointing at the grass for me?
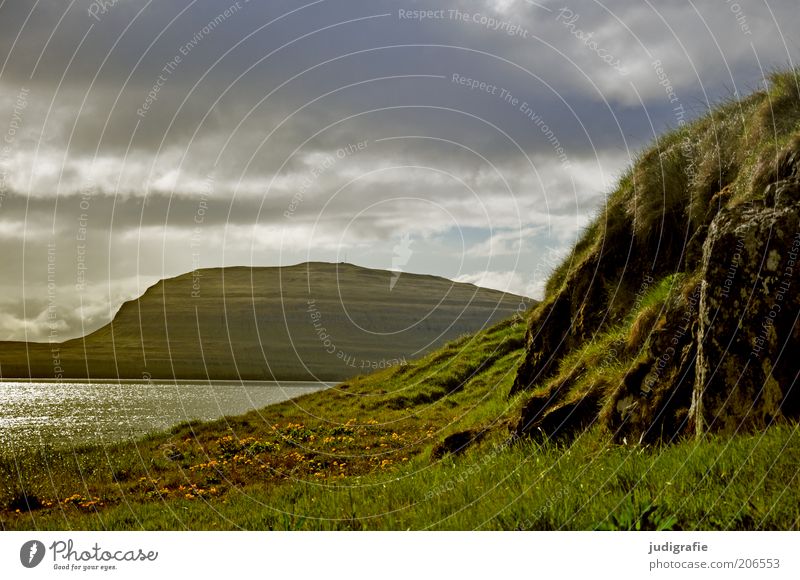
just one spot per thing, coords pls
(606, 358)
(666, 195)
(744, 483)
(652, 227)
(360, 457)
(365, 427)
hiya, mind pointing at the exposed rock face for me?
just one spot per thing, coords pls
(749, 335)
(571, 316)
(547, 337)
(543, 417)
(723, 353)
(653, 401)
(598, 294)
(457, 443)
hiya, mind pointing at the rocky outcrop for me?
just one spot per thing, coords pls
(723, 359)
(543, 417)
(720, 356)
(749, 335)
(598, 293)
(653, 400)
(546, 338)
(457, 443)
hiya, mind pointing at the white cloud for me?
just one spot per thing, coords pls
(506, 281)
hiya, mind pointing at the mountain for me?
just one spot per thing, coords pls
(303, 322)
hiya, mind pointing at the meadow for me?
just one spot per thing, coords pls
(429, 445)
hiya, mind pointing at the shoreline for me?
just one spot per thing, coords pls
(135, 412)
(204, 382)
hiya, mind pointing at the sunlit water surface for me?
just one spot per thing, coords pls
(35, 414)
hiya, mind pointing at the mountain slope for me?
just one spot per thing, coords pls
(678, 311)
(315, 320)
(423, 446)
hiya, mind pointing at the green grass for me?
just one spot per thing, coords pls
(666, 195)
(593, 331)
(606, 358)
(741, 483)
(368, 426)
(360, 457)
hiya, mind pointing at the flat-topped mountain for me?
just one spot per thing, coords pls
(304, 322)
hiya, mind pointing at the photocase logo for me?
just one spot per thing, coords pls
(402, 254)
(31, 553)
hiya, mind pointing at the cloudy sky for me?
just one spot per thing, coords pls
(472, 140)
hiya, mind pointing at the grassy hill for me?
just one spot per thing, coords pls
(424, 446)
(677, 311)
(314, 320)
(607, 408)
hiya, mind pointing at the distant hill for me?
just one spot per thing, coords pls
(313, 320)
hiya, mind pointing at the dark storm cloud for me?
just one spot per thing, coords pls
(114, 74)
(201, 133)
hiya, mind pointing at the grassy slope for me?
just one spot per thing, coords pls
(255, 323)
(362, 457)
(651, 228)
(720, 159)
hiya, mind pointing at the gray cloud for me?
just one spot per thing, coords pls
(200, 133)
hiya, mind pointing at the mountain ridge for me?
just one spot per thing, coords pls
(274, 322)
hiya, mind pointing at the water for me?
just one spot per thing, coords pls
(34, 414)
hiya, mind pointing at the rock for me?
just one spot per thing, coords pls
(545, 340)
(456, 443)
(720, 356)
(534, 410)
(25, 503)
(748, 334)
(571, 317)
(597, 294)
(653, 401)
(564, 420)
(694, 249)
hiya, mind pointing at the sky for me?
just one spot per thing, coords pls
(473, 140)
